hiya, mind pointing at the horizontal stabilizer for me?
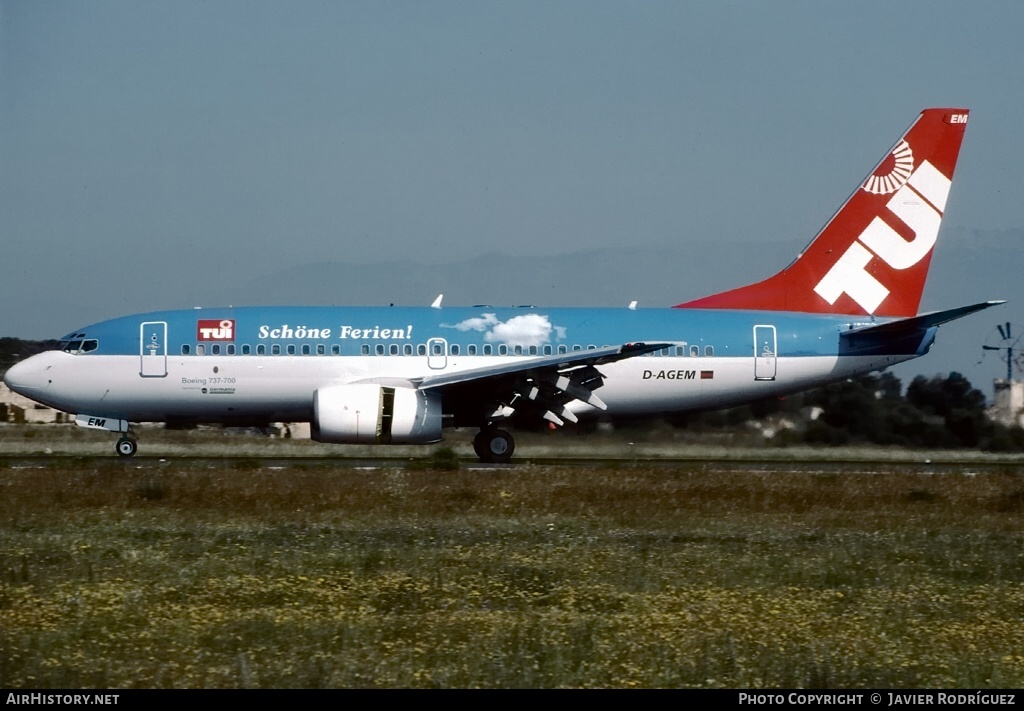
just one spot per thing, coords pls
(906, 336)
(920, 323)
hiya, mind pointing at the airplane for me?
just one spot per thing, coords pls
(847, 305)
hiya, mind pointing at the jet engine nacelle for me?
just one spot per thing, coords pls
(375, 414)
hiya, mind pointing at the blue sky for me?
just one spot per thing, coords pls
(150, 149)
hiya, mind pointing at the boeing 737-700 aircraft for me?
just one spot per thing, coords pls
(847, 305)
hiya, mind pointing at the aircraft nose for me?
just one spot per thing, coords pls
(23, 377)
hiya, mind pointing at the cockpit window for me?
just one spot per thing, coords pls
(76, 345)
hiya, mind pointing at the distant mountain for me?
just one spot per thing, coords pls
(968, 266)
(978, 265)
(654, 276)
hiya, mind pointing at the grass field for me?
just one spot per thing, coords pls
(174, 574)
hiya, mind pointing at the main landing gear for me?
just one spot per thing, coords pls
(126, 446)
(494, 445)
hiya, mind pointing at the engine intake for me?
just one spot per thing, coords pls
(375, 414)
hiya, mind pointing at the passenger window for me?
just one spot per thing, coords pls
(365, 350)
(231, 349)
(291, 349)
(471, 349)
(454, 348)
(421, 349)
(438, 349)
(709, 351)
(261, 349)
(533, 350)
(215, 349)
(275, 349)
(200, 349)
(563, 349)
(680, 350)
(321, 349)
(547, 350)
(502, 349)
(518, 350)
(694, 351)
(336, 349)
(186, 349)
(488, 350)
(380, 349)
(407, 349)
(305, 349)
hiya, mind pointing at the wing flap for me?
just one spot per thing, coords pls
(542, 387)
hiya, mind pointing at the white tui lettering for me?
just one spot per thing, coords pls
(917, 205)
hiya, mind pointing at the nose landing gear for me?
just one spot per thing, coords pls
(126, 446)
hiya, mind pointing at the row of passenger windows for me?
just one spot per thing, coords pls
(437, 348)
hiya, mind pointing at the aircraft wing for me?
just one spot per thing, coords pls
(542, 385)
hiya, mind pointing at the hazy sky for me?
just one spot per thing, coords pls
(149, 149)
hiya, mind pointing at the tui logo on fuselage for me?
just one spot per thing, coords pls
(212, 329)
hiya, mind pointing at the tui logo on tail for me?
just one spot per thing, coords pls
(917, 208)
(893, 173)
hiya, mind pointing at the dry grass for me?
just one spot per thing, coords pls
(117, 574)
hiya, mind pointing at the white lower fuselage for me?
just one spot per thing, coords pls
(280, 388)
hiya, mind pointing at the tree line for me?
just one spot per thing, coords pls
(943, 411)
(14, 349)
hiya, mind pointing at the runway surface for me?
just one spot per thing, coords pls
(707, 464)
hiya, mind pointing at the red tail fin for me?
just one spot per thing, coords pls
(873, 255)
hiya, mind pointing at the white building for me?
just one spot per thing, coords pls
(1009, 402)
(19, 409)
